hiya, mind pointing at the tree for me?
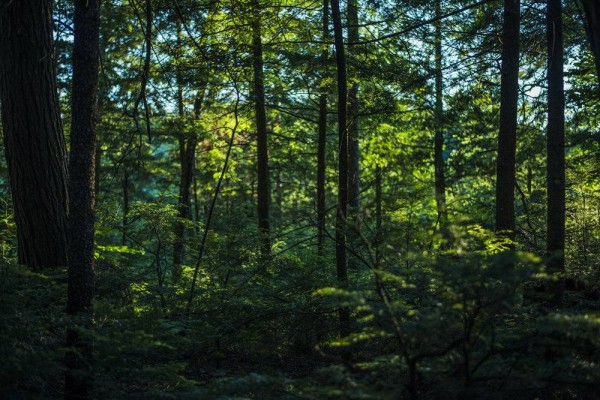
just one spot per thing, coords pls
(187, 160)
(507, 137)
(264, 197)
(322, 136)
(353, 131)
(86, 51)
(340, 226)
(438, 153)
(555, 136)
(33, 137)
(353, 113)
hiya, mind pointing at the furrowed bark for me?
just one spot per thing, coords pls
(33, 135)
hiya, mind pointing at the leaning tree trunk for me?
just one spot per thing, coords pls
(86, 51)
(507, 136)
(555, 136)
(261, 131)
(340, 229)
(33, 137)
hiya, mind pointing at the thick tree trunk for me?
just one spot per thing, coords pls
(322, 139)
(97, 172)
(340, 229)
(507, 136)
(82, 154)
(33, 137)
(261, 131)
(556, 149)
(438, 152)
(81, 189)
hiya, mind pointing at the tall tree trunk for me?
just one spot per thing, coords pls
(378, 216)
(97, 172)
(33, 136)
(340, 229)
(438, 152)
(507, 136)
(81, 188)
(187, 158)
(322, 139)
(556, 149)
(125, 184)
(353, 110)
(261, 131)
(196, 203)
(353, 134)
(145, 75)
(591, 9)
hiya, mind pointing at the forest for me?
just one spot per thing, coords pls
(300, 199)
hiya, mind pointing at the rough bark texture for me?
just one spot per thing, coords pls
(438, 153)
(556, 149)
(81, 189)
(82, 155)
(261, 131)
(322, 139)
(33, 137)
(592, 16)
(340, 230)
(507, 136)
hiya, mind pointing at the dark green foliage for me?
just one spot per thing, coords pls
(32, 331)
(437, 310)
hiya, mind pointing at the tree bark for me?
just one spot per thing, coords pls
(555, 135)
(340, 230)
(322, 138)
(261, 131)
(353, 128)
(145, 73)
(125, 184)
(378, 216)
(187, 158)
(81, 188)
(33, 136)
(438, 153)
(353, 216)
(507, 136)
